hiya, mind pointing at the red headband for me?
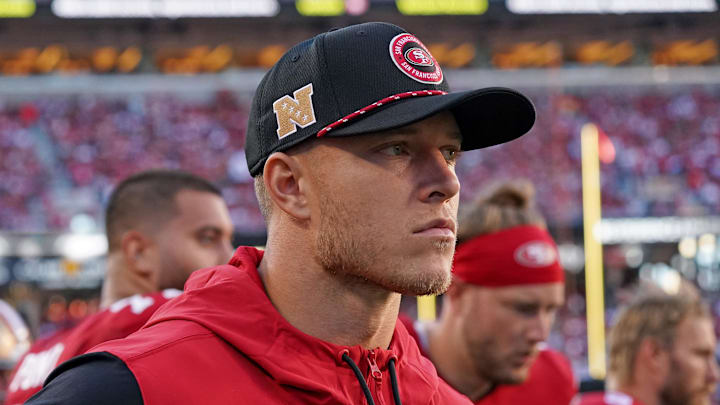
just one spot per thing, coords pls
(520, 255)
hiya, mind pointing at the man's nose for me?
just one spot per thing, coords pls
(225, 253)
(714, 372)
(439, 181)
(539, 328)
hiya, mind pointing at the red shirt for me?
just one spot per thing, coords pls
(604, 398)
(551, 380)
(119, 320)
(223, 342)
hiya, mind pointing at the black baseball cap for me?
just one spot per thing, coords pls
(366, 78)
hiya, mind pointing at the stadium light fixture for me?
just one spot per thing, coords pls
(442, 7)
(655, 229)
(688, 247)
(572, 257)
(708, 279)
(609, 6)
(320, 8)
(4, 247)
(164, 8)
(661, 275)
(706, 250)
(29, 247)
(634, 256)
(82, 223)
(17, 8)
(80, 247)
(669, 280)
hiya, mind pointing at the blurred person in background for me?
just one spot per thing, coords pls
(15, 340)
(661, 352)
(161, 225)
(488, 342)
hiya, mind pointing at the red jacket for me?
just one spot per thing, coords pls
(604, 398)
(551, 380)
(119, 320)
(223, 342)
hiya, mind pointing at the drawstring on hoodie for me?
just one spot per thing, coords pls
(360, 378)
(393, 382)
(364, 386)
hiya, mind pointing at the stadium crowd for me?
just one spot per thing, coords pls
(60, 155)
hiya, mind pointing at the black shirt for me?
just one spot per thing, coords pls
(90, 379)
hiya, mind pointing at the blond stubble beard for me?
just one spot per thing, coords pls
(344, 250)
(486, 360)
(676, 392)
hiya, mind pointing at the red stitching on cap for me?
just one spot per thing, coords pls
(377, 104)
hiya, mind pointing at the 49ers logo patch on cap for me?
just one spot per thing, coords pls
(418, 57)
(414, 59)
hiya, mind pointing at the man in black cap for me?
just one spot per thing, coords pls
(353, 139)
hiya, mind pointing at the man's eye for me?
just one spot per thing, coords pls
(451, 155)
(394, 150)
(526, 309)
(207, 238)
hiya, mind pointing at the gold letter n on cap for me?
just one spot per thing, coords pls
(291, 112)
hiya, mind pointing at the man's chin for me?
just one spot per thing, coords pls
(427, 282)
(702, 398)
(420, 286)
(518, 375)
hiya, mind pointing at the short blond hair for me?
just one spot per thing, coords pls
(263, 197)
(654, 316)
(504, 206)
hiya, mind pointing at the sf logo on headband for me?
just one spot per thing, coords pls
(535, 254)
(293, 111)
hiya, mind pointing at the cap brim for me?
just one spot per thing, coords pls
(485, 117)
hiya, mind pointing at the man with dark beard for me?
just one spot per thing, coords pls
(352, 139)
(489, 340)
(662, 352)
(161, 225)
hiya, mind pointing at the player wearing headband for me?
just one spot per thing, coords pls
(507, 286)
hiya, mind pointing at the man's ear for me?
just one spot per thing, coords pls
(283, 182)
(458, 302)
(456, 289)
(654, 357)
(139, 254)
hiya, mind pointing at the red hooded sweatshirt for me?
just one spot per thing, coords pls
(223, 342)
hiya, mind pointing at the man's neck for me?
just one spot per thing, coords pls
(640, 393)
(450, 357)
(121, 283)
(338, 309)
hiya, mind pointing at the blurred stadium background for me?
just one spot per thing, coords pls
(94, 90)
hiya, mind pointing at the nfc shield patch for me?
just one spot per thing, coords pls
(295, 111)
